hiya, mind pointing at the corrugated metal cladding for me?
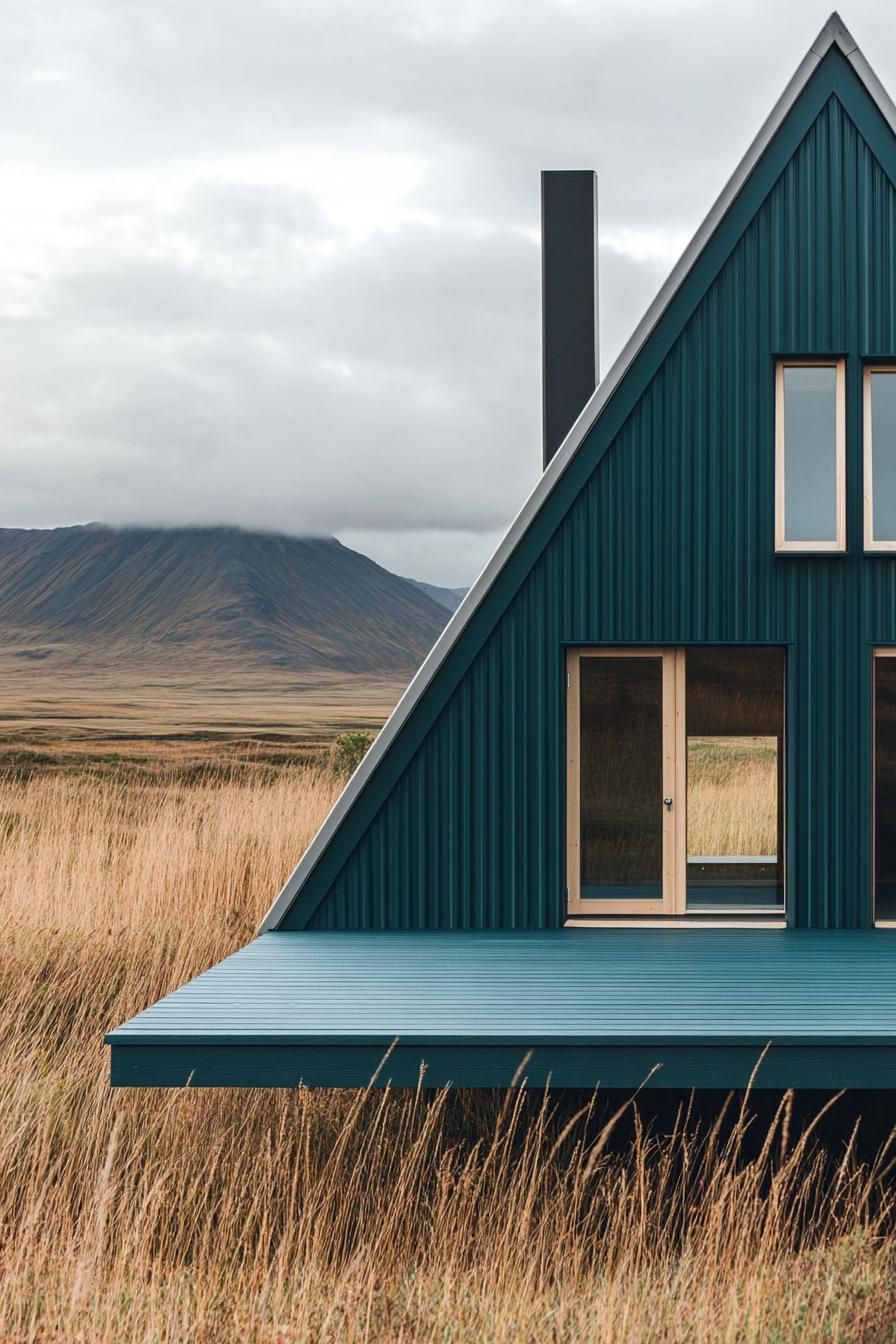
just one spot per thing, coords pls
(661, 531)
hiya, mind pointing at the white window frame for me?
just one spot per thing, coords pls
(781, 542)
(871, 544)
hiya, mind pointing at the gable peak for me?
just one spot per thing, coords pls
(834, 32)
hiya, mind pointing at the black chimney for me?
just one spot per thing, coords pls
(569, 329)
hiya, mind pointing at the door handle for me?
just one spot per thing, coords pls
(667, 803)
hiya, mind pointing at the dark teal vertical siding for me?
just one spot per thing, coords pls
(670, 540)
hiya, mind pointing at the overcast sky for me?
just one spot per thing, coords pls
(275, 262)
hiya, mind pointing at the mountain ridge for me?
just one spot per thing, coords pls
(450, 598)
(209, 595)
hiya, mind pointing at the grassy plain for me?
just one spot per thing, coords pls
(129, 866)
(119, 701)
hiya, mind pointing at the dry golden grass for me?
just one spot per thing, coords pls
(732, 796)
(127, 698)
(349, 1216)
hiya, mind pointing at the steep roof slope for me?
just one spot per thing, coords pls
(833, 68)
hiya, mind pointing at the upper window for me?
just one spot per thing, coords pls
(810, 455)
(880, 458)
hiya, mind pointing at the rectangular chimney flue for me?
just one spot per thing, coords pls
(569, 275)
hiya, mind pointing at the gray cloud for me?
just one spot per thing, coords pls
(276, 264)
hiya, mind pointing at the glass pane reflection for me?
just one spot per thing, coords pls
(735, 725)
(885, 788)
(810, 453)
(621, 778)
(883, 454)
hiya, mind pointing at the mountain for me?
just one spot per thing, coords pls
(449, 598)
(215, 596)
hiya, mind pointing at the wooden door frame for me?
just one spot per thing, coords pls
(674, 786)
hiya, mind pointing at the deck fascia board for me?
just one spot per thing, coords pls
(867, 1067)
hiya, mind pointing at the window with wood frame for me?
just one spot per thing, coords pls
(810, 455)
(675, 799)
(879, 404)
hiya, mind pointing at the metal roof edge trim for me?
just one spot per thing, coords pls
(834, 33)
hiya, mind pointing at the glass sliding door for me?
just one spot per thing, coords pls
(885, 785)
(675, 778)
(621, 778)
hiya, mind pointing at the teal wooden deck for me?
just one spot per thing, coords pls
(588, 1006)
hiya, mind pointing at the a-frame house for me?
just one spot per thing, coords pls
(638, 806)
